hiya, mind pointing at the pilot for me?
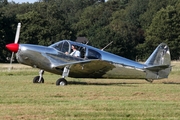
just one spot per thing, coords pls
(75, 52)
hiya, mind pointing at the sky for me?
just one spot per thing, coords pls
(30, 1)
(21, 1)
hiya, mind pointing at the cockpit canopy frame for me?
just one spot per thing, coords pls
(86, 52)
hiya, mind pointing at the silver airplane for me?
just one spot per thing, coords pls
(92, 62)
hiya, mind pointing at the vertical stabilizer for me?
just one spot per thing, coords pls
(160, 56)
(159, 63)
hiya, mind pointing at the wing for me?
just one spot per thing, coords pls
(62, 60)
(93, 68)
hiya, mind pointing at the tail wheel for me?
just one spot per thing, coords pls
(149, 80)
(61, 82)
(36, 80)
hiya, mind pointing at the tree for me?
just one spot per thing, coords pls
(165, 27)
(34, 28)
(152, 7)
(6, 35)
(134, 10)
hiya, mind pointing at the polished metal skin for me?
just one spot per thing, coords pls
(93, 63)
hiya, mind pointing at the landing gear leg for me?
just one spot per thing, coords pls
(62, 81)
(39, 79)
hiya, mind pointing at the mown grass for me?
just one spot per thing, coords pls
(108, 99)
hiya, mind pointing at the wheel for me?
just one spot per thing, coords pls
(61, 82)
(36, 79)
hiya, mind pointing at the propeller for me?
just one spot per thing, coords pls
(14, 46)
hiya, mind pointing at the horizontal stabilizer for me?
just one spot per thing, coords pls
(157, 67)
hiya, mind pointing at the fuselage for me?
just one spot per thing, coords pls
(103, 64)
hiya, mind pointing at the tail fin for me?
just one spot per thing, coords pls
(160, 56)
(159, 63)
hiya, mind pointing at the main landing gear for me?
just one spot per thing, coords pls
(60, 82)
(39, 79)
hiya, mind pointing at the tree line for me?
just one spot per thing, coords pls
(136, 27)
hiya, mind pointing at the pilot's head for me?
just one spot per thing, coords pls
(74, 47)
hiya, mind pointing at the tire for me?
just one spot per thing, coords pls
(61, 82)
(36, 79)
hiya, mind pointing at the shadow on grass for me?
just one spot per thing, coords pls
(103, 84)
(115, 84)
(171, 83)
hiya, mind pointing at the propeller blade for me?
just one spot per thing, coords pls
(10, 67)
(17, 33)
(14, 46)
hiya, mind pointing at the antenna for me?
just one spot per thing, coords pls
(107, 45)
(87, 42)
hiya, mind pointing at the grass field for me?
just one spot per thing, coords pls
(108, 99)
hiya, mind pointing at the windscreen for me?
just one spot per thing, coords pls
(63, 46)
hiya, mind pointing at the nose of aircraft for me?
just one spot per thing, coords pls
(13, 47)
